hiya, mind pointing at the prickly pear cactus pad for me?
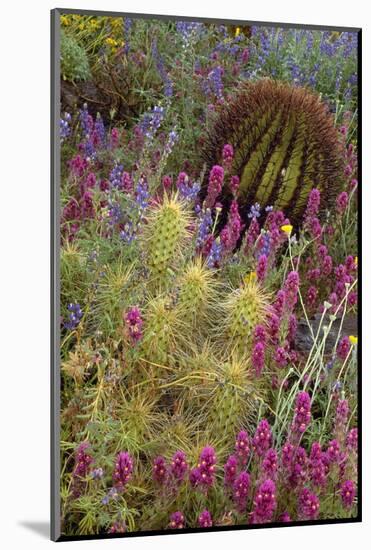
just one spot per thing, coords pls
(208, 276)
(285, 144)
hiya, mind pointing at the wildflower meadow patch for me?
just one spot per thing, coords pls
(207, 248)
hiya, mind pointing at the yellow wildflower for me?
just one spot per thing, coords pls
(65, 20)
(286, 229)
(237, 32)
(353, 340)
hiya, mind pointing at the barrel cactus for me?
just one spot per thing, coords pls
(164, 237)
(284, 142)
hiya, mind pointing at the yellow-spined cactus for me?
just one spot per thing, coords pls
(164, 238)
(196, 292)
(244, 308)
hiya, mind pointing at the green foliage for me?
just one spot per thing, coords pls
(74, 61)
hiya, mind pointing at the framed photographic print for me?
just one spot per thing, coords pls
(205, 258)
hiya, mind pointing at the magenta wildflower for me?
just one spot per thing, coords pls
(215, 185)
(327, 266)
(83, 462)
(241, 487)
(227, 155)
(342, 202)
(159, 470)
(347, 492)
(262, 439)
(234, 185)
(333, 451)
(167, 182)
(317, 466)
(262, 267)
(194, 477)
(308, 504)
(118, 527)
(313, 203)
(251, 235)
(273, 325)
(270, 464)
(177, 520)
(287, 453)
(257, 358)
(302, 415)
(291, 287)
(298, 469)
(280, 357)
(285, 517)
(260, 334)
(342, 414)
(264, 502)
(127, 182)
(279, 303)
(343, 348)
(242, 447)
(134, 323)
(230, 470)
(206, 466)
(115, 135)
(179, 466)
(123, 470)
(293, 326)
(352, 439)
(204, 519)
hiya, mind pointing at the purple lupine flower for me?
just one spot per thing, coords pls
(261, 269)
(177, 520)
(241, 488)
(134, 323)
(302, 416)
(264, 502)
(308, 504)
(115, 176)
(159, 470)
(123, 470)
(206, 466)
(352, 439)
(230, 470)
(270, 464)
(257, 358)
(97, 473)
(179, 466)
(74, 316)
(215, 185)
(205, 223)
(204, 519)
(227, 155)
(343, 348)
(262, 439)
(215, 255)
(64, 126)
(83, 462)
(347, 493)
(242, 447)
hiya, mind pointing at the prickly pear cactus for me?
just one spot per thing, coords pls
(245, 308)
(285, 143)
(164, 237)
